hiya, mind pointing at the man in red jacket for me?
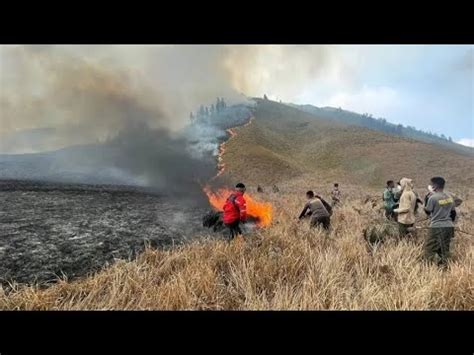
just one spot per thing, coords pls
(235, 211)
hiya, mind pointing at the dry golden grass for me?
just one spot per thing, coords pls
(283, 143)
(286, 266)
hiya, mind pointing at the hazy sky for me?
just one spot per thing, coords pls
(429, 87)
(88, 92)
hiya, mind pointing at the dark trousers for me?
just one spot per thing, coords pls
(437, 243)
(403, 229)
(233, 229)
(390, 214)
(324, 221)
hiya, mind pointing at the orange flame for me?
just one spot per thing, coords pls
(262, 211)
(220, 163)
(220, 159)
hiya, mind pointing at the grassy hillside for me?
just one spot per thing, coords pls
(284, 142)
(285, 266)
(381, 125)
(288, 265)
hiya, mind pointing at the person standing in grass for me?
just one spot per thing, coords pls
(336, 195)
(439, 207)
(406, 208)
(389, 200)
(235, 211)
(318, 209)
(457, 201)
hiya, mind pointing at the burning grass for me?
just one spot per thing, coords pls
(223, 146)
(261, 211)
(284, 266)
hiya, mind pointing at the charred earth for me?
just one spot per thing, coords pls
(69, 212)
(55, 229)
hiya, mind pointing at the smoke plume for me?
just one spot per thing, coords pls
(128, 106)
(89, 93)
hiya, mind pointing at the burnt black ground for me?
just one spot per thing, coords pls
(50, 229)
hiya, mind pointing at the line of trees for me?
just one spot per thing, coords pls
(379, 124)
(205, 111)
(408, 131)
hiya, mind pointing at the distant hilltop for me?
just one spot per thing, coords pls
(382, 125)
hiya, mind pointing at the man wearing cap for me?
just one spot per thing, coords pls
(441, 231)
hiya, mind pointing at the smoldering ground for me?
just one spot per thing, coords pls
(114, 129)
(50, 230)
(54, 229)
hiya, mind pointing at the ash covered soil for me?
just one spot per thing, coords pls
(51, 229)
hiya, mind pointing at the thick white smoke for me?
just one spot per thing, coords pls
(88, 94)
(129, 106)
(84, 94)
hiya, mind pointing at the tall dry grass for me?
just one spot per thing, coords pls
(286, 266)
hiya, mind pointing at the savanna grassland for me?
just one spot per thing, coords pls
(288, 265)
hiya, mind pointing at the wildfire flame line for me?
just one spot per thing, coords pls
(222, 148)
(220, 159)
(261, 211)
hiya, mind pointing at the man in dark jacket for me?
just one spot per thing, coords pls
(235, 211)
(318, 209)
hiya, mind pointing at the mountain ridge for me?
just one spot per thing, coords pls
(311, 145)
(381, 125)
